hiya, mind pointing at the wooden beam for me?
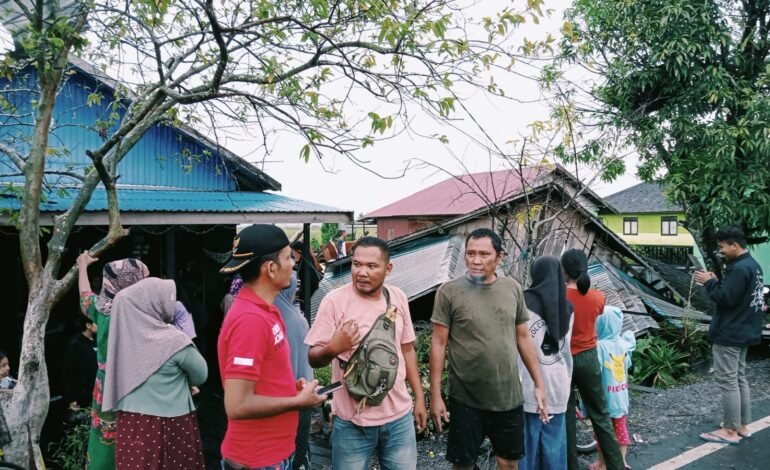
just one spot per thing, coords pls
(170, 239)
(307, 259)
(201, 218)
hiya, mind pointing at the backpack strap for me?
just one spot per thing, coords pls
(386, 293)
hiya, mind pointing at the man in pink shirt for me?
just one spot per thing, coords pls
(344, 317)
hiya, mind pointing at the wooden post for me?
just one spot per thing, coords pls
(307, 271)
(170, 240)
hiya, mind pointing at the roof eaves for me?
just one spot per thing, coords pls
(254, 175)
(587, 190)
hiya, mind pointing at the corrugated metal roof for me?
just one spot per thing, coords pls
(462, 194)
(167, 200)
(466, 194)
(619, 295)
(417, 269)
(660, 306)
(175, 157)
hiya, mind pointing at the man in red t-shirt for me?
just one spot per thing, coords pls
(261, 396)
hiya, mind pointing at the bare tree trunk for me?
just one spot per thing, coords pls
(25, 412)
(709, 246)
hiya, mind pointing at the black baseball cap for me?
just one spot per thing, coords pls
(252, 242)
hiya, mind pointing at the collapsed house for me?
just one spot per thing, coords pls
(543, 212)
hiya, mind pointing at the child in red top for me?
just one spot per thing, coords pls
(590, 305)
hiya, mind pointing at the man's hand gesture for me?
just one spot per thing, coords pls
(702, 277)
(346, 336)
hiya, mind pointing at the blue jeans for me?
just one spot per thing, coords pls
(546, 444)
(394, 442)
(285, 464)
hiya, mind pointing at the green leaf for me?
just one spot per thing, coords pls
(305, 153)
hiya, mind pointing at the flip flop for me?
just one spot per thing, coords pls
(711, 437)
(747, 435)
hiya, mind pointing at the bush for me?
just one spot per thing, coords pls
(423, 330)
(71, 452)
(324, 375)
(686, 338)
(328, 231)
(658, 363)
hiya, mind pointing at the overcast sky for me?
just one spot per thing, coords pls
(344, 185)
(349, 187)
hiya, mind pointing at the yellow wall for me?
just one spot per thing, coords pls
(649, 230)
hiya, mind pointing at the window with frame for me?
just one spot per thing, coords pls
(669, 225)
(630, 226)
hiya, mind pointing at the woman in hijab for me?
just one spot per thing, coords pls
(227, 301)
(296, 330)
(550, 324)
(151, 365)
(116, 276)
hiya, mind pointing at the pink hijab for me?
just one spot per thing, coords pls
(116, 276)
(142, 337)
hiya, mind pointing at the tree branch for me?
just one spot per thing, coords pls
(16, 157)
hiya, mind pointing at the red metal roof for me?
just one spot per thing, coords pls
(461, 194)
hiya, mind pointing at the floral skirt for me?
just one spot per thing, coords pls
(155, 442)
(101, 440)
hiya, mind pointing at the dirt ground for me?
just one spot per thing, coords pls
(654, 417)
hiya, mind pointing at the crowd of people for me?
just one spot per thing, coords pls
(516, 393)
(516, 359)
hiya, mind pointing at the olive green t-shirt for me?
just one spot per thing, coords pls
(482, 350)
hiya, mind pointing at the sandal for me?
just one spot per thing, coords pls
(747, 435)
(713, 437)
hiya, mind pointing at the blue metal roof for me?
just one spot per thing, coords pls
(169, 156)
(168, 200)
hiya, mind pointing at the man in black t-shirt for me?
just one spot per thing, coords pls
(80, 365)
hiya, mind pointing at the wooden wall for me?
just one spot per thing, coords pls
(564, 229)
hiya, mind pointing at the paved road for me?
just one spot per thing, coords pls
(752, 453)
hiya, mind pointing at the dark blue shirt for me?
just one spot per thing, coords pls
(739, 318)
